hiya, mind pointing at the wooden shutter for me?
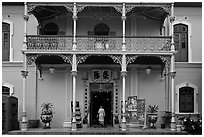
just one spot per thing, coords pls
(186, 100)
(181, 42)
(5, 41)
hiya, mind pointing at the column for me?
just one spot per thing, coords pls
(24, 74)
(74, 74)
(74, 27)
(123, 74)
(123, 19)
(25, 25)
(172, 71)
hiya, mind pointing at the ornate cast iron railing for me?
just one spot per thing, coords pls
(93, 43)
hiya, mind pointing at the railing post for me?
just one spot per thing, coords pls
(123, 19)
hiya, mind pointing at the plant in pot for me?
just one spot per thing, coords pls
(47, 114)
(152, 115)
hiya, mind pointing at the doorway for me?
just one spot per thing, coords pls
(101, 94)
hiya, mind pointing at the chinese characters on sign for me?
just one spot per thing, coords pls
(102, 75)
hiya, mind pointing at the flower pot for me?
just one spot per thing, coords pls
(46, 119)
(152, 119)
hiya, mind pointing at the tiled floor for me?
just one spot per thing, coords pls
(92, 131)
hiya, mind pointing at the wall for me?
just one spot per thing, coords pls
(193, 16)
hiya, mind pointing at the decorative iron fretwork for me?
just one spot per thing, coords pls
(165, 59)
(31, 58)
(81, 58)
(116, 58)
(130, 59)
(119, 8)
(67, 58)
(46, 43)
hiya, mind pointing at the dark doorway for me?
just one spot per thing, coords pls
(101, 94)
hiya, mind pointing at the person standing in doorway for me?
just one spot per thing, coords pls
(101, 115)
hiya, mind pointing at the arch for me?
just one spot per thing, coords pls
(11, 35)
(50, 29)
(11, 87)
(101, 29)
(189, 36)
(183, 85)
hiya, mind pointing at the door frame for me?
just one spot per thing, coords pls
(112, 98)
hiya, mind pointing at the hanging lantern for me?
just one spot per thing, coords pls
(148, 70)
(52, 70)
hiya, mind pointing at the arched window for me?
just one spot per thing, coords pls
(5, 41)
(186, 102)
(5, 90)
(50, 29)
(101, 29)
(181, 42)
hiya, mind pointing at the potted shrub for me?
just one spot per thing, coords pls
(46, 114)
(152, 115)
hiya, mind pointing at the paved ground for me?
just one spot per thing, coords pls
(92, 131)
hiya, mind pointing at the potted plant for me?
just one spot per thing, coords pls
(152, 115)
(47, 114)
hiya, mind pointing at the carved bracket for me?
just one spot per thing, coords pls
(130, 59)
(31, 58)
(81, 58)
(67, 58)
(116, 58)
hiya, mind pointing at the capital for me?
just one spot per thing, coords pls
(25, 17)
(73, 73)
(74, 17)
(123, 73)
(172, 74)
(123, 17)
(24, 73)
(172, 19)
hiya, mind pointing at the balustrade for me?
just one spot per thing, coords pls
(99, 43)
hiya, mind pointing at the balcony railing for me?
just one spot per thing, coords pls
(93, 43)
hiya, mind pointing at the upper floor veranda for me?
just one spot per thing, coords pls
(95, 27)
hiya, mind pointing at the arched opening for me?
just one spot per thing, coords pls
(50, 29)
(101, 29)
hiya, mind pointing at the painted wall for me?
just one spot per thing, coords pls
(192, 16)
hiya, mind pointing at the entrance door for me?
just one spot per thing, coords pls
(101, 94)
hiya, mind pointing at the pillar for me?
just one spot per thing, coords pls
(123, 19)
(74, 74)
(123, 74)
(172, 71)
(24, 74)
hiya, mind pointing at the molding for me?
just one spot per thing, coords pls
(186, 84)
(187, 65)
(11, 87)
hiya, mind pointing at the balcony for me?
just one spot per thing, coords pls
(149, 44)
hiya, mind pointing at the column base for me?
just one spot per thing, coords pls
(173, 126)
(24, 126)
(74, 127)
